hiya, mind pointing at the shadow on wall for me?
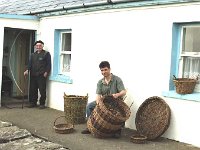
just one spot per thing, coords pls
(129, 100)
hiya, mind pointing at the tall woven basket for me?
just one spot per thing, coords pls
(184, 85)
(108, 117)
(75, 108)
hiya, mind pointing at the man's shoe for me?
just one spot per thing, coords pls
(86, 131)
(32, 106)
(117, 134)
(123, 125)
(42, 107)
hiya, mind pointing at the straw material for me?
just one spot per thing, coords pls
(138, 139)
(108, 117)
(63, 128)
(75, 108)
(184, 85)
(153, 117)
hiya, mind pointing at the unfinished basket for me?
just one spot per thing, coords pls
(108, 117)
(153, 117)
(184, 85)
(75, 108)
(63, 128)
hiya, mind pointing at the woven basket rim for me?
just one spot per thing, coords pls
(63, 126)
(184, 80)
(75, 96)
(122, 104)
(139, 137)
(148, 130)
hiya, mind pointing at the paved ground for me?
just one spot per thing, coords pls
(14, 138)
(40, 123)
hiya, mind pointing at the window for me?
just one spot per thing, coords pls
(62, 56)
(185, 58)
(189, 64)
(65, 52)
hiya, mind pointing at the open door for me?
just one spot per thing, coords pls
(17, 46)
(16, 43)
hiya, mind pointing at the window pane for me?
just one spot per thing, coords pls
(66, 41)
(191, 36)
(191, 67)
(66, 63)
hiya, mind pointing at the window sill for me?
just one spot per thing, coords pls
(190, 97)
(61, 78)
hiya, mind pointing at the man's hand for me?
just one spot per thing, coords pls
(26, 73)
(98, 98)
(45, 74)
(115, 95)
(120, 94)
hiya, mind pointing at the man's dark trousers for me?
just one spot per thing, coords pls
(37, 82)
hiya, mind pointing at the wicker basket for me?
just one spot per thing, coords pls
(153, 117)
(184, 85)
(138, 139)
(108, 117)
(63, 128)
(75, 108)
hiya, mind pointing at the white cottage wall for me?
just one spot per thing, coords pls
(137, 43)
(19, 23)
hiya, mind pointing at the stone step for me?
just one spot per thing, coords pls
(12, 137)
(31, 143)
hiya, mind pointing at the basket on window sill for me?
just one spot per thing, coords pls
(184, 85)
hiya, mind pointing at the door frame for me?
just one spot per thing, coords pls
(18, 22)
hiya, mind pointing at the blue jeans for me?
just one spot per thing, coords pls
(90, 107)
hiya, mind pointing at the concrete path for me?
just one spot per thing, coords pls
(40, 124)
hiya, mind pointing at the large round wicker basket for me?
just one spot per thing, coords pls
(75, 108)
(153, 117)
(108, 117)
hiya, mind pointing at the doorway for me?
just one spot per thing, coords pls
(17, 46)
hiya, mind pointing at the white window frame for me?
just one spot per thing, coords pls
(187, 54)
(63, 52)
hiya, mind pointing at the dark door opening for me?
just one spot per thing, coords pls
(18, 44)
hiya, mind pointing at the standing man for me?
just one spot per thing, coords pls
(39, 67)
(110, 84)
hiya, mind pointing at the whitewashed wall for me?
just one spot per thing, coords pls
(137, 43)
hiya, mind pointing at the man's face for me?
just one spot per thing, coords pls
(105, 71)
(39, 47)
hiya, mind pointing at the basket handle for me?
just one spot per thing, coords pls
(197, 78)
(174, 77)
(57, 119)
(131, 104)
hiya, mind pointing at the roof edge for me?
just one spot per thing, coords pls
(109, 4)
(24, 17)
